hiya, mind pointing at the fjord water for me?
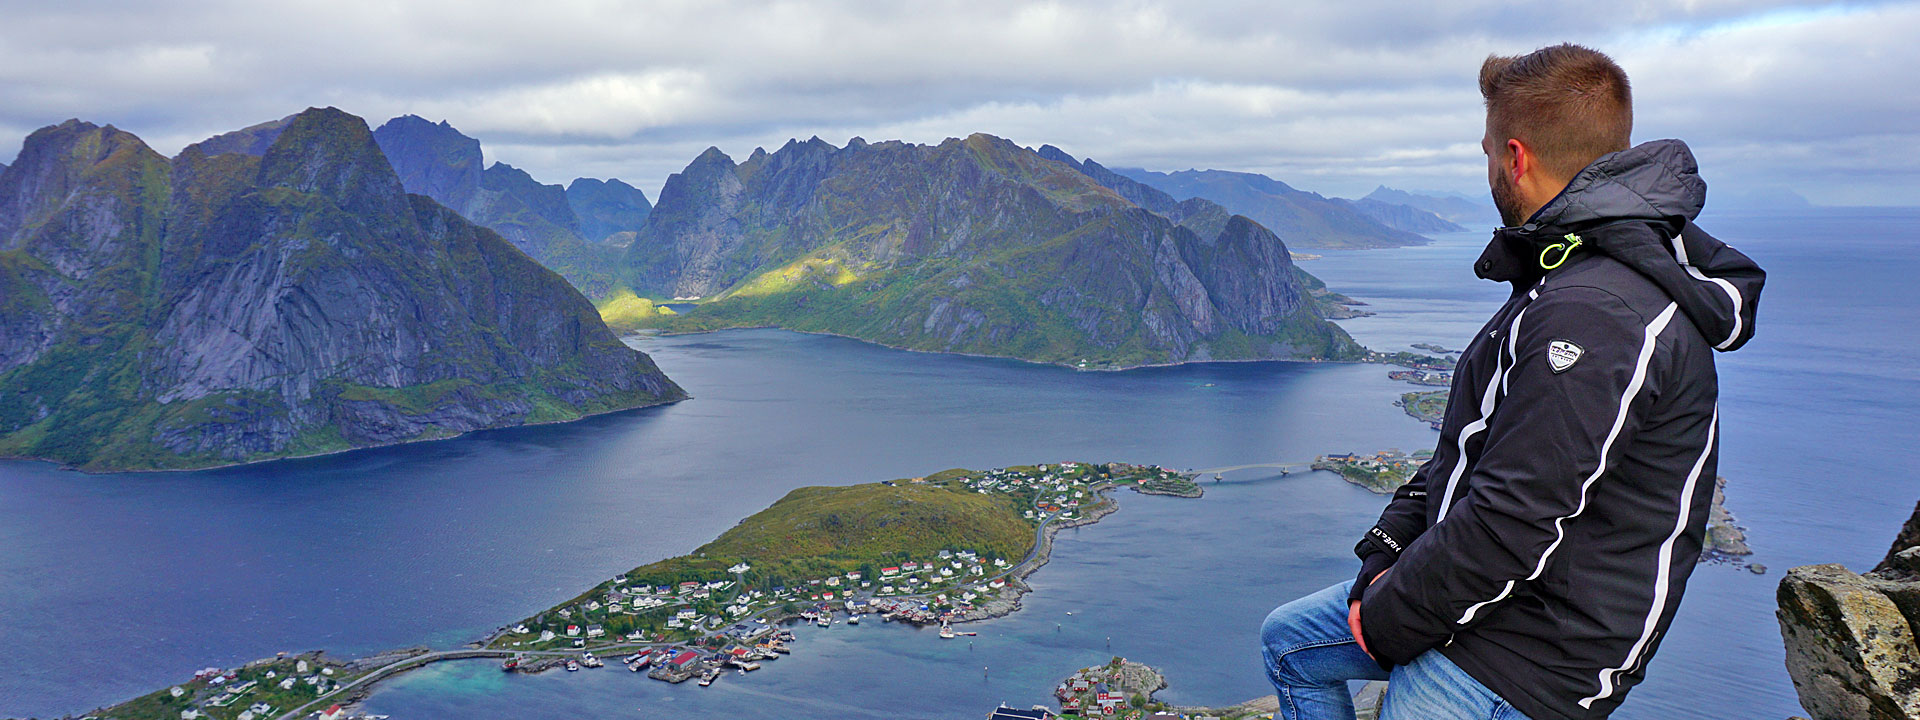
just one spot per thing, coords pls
(118, 584)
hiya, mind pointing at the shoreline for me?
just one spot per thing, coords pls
(68, 467)
(405, 660)
(1046, 363)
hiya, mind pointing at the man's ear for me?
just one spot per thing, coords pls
(1520, 161)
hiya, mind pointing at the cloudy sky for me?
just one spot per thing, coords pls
(1337, 97)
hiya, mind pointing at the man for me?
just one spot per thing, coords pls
(1532, 566)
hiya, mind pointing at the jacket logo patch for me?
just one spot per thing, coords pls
(1562, 355)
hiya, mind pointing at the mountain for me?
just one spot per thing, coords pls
(610, 212)
(1305, 219)
(1451, 208)
(225, 307)
(436, 160)
(972, 246)
(1402, 217)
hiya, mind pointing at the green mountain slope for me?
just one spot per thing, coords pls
(228, 307)
(973, 246)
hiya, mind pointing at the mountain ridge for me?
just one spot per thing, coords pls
(973, 246)
(1457, 210)
(545, 221)
(214, 309)
(1309, 219)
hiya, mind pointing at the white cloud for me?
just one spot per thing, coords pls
(1331, 97)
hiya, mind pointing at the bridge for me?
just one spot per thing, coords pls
(1285, 468)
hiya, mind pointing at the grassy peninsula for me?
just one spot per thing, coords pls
(949, 547)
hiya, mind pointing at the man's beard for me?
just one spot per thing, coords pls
(1508, 201)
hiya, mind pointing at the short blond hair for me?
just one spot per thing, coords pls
(1570, 104)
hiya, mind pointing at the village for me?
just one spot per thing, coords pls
(732, 621)
(699, 618)
(1381, 472)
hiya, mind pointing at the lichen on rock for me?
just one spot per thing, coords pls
(1849, 637)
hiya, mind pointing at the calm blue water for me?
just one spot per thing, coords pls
(130, 582)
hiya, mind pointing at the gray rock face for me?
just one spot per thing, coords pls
(228, 307)
(1850, 638)
(436, 160)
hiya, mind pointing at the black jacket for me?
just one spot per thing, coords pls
(1545, 547)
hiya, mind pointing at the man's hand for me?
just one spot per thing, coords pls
(1353, 616)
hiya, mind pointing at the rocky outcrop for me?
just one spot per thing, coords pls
(975, 246)
(226, 306)
(545, 221)
(1850, 638)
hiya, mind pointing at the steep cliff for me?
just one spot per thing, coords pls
(1306, 219)
(228, 307)
(436, 160)
(974, 246)
(1850, 638)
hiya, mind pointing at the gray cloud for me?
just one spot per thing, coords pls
(1332, 97)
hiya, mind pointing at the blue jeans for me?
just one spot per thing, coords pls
(1311, 654)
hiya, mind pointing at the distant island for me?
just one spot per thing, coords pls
(1122, 689)
(973, 246)
(273, 292)
(948, 548)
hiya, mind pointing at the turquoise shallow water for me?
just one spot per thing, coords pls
(437, 543)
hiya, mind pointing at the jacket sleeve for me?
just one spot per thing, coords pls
(1579, 385)
(1736, 280)
(1404, 520)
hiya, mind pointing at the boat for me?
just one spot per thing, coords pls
(588, 660)
(825, 621)
(853, 619)
(946, 633)
(573, 666)
(511, 664)
(709, 677)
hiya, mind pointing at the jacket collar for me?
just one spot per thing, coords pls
(1655, 183)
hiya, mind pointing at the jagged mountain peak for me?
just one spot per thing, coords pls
(59, 160)
(331, 153)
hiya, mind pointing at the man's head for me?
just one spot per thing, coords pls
(1550, 113)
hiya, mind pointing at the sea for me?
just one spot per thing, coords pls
(116, 585)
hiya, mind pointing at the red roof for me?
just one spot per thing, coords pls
(685, 656)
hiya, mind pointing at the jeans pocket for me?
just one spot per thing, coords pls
(1504, 711)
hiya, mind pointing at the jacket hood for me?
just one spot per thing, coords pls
(1637, 206)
